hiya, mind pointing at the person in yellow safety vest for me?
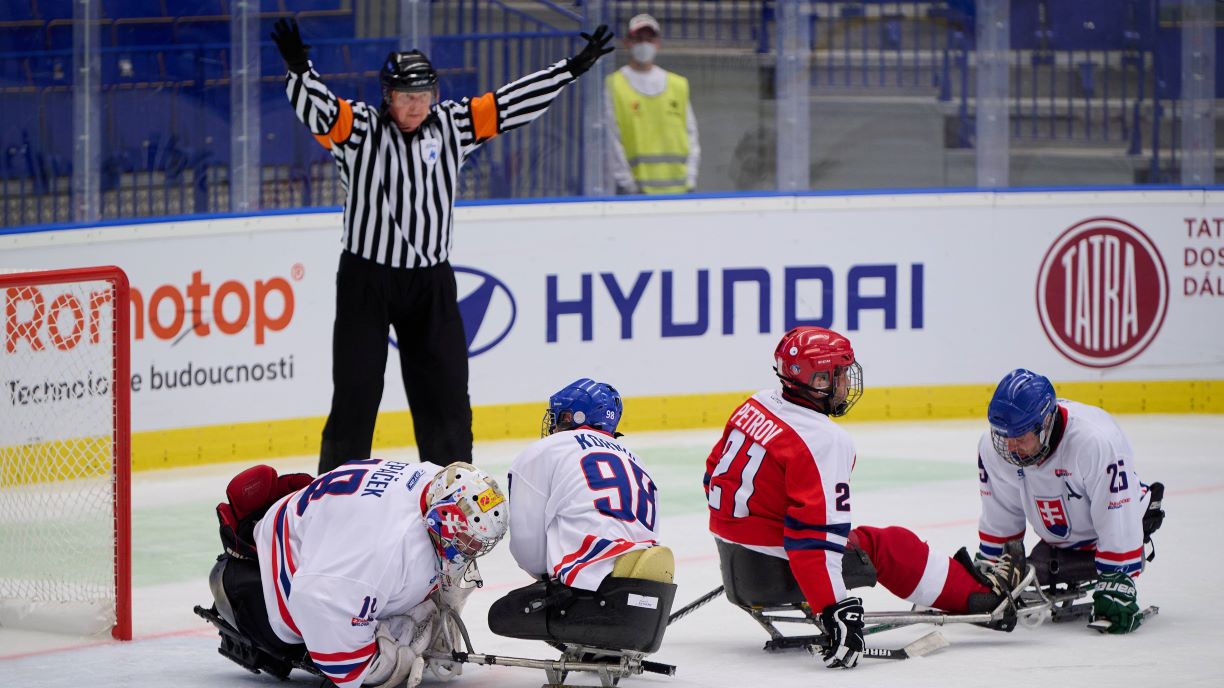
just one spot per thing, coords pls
(652, 133)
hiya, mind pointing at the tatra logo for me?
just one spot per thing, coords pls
(487, 307)
(1102, 292)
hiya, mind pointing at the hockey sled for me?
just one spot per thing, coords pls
(608, 631)
(609, 665)
(244, 652)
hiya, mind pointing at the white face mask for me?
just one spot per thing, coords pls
(644, 52)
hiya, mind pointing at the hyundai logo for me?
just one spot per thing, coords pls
(487, 308)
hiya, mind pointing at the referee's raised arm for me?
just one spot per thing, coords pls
(399, 164)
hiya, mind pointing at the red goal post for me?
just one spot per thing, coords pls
(65, 451)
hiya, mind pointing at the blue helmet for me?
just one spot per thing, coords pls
(1023, 402)
(583, 402)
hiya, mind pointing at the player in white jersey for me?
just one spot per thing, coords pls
(584, 525)
(1067, 469)
(348, 564)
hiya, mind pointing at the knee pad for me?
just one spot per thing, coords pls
(752, 579)
(1055, 565)
(857, 569)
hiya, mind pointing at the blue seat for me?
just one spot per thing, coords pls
(202, 29)
(54, 9)
(126, 9)
(22, 121)
(138, 65)
(200, 8)
(58, 135)
(18, 10)
(143, 31)
(15, 72)
(21, 36)
(313, 5)
(327, 24)
(50, 69)
(1088, 24)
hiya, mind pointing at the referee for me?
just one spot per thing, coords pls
(399, 165)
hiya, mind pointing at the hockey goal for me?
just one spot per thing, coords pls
(65, 466)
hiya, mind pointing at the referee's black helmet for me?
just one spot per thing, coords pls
(407, 71)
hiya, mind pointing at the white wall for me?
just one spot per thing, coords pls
(964, 306)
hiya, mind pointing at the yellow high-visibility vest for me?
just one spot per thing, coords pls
(654, 133)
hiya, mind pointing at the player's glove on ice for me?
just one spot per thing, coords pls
(843, 622)
(288, 40)
(1114, 599)
(596, 47)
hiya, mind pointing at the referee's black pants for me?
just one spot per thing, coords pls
(422, 305)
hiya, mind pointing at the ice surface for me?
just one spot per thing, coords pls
(920, 475)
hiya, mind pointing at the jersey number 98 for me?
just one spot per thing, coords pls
(634, 497)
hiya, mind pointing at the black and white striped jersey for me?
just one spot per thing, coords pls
(400, 188)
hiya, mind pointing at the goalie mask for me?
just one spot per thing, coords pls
(818, 370)
(1021, 415)
(583, 403)
(466, 513)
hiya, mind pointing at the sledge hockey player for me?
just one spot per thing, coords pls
(344, 574)
(584, 524)
(1069, 470)
(778, 486)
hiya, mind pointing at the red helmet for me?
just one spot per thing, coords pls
(818, 370)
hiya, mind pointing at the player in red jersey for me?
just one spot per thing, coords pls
(778, 486)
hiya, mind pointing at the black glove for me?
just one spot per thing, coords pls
(843, 622)
(596, 47)
(288, 40)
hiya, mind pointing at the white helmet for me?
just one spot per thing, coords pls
(466, 513)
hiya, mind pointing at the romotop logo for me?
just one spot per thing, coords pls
(1102, 292)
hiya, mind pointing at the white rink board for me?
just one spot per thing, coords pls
(963, 308)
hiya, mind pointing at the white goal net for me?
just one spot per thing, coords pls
(65, 536)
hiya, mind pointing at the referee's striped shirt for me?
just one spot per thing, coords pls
(400, 188)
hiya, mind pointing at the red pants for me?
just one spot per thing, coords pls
(910, 569)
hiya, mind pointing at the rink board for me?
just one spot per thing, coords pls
(1115, 295)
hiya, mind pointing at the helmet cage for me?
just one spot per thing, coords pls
(821, 389)
(1023, 403)
(1000, 435)
(465, 513)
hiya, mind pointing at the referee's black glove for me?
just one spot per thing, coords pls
(288, 40)
(596, 47)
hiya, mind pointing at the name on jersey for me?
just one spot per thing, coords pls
(591, 441)
(382, 477)
(755, 424)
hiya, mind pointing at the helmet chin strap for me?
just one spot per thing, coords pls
(793, 394)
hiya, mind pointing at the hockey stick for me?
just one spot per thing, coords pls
(694, 605)
(622, 667)
(818, 644)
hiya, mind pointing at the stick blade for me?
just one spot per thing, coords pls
(926, 644)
